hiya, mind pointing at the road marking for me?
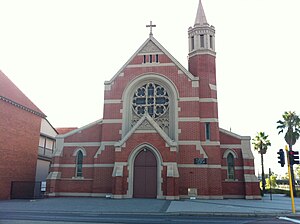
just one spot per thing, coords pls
(291, 220)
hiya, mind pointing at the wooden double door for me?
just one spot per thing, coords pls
(145, 175)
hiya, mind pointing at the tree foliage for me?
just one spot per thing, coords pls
(261, 142)
(290, 124)
(273, 183)
(297, 171)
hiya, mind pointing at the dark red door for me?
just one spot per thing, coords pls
(145, 175)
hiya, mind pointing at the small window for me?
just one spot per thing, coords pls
(211, 42)
(156, 58)
(207, 131)
(42, 141)
(150, 58)
(145, 59)
(193, 43)
(201, 40)
(79, 160)
(49, 143)
(230, 166)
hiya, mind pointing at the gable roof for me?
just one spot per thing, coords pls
(62, 131)
(66, 132)
(10, 93)
(155, 127)
(234, 135)
(162, 49)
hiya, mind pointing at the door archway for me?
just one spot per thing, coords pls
(145, 175)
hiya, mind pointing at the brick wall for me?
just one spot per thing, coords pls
(210, 180)
(19, 139)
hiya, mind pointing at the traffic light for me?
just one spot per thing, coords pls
(294, 157)
(281, 157)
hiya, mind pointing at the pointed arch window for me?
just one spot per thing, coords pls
(230, 166)
(152, 99)
(152, 96)
(79, 160)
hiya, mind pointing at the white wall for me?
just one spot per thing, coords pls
(42, 170)
(47, 129)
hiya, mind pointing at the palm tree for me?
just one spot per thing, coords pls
(261, 144)
(290, 123)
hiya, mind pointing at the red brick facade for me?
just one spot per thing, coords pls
(19, 136)
(187, 129)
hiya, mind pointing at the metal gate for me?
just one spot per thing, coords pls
(27, 190)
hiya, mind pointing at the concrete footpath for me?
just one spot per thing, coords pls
(279, 206)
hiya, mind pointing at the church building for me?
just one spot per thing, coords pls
(160, 135)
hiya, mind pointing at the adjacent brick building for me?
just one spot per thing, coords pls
(20, 122)
(27, 140)
(159, 136)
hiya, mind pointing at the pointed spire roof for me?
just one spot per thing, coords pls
(10, 93)
(200, 17)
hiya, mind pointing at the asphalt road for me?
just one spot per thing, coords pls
(79, 218)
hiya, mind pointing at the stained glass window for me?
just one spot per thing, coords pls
(152, 99)
(230, 166)
(79, 160)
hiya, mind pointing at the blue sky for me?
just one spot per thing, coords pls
(59, 53)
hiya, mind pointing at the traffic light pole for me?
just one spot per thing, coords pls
(293, 178)
(290, 181)
(294, 159)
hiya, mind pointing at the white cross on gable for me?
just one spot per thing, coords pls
(151, 25)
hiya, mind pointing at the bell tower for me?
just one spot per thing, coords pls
(202, 46)
(202, 35)
(202, 64)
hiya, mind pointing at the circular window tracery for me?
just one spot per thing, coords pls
(150, 98)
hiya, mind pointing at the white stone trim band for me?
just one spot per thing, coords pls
(83, 165)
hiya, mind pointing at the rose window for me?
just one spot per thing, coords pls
(152, 99)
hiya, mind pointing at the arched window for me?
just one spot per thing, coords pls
(153, 99)
(79, 160)
(230, 166)
(151, 95)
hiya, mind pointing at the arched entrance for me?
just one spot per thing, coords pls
(145, 175)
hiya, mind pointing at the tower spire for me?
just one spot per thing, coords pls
(200, 17)
(202, 35)
(201, 44)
